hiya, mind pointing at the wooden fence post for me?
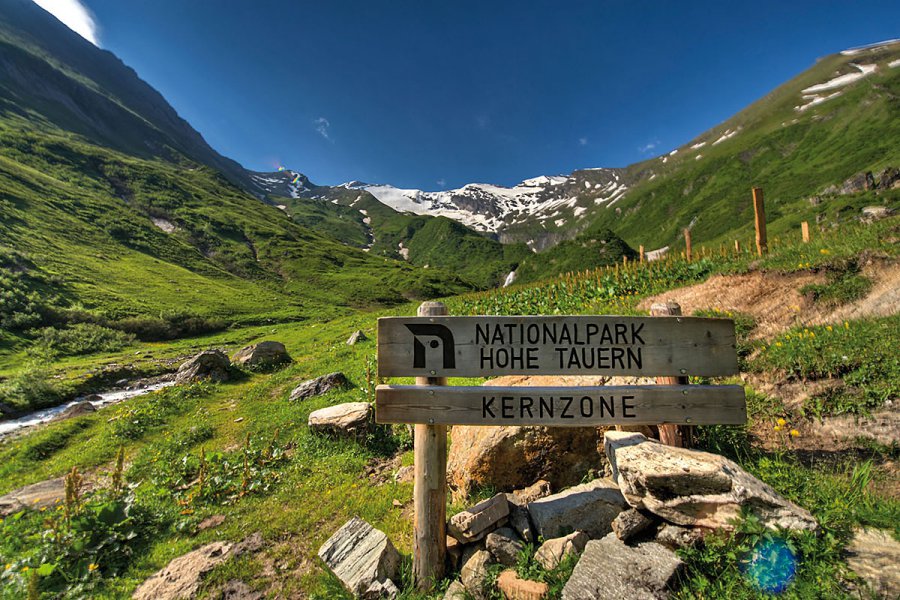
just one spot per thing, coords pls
(687, 244)
(670, 435)
(641, 253)
(759, 213)
(804, 231)
(737, 246)
(430, 487)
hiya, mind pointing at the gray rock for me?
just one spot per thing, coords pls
(264, 355)
(456, 591)
(694, 488)
(44, 494)
(519, 519)
(209, 364)
(554, 550)
(356, 337)
(474, 574)
(535, 491)
(363, 558)
(504, 545)
(76, 410)
(475, 523)
(888, 178)
(320, 385)
(183, 577)
(350, 420)
(873, 213)
(590, 507)
(676, 537)
(610, 570)
(630, 523)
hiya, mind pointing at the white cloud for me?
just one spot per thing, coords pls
(441, 182)
(582, 141)
(322, 124)
(648, 147)
(75, 16)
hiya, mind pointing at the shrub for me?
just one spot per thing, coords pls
(81, 338)
(30, 388)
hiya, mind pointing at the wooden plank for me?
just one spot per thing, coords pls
(561, 406)
(583, 345)
(759, 219)
(429, 486)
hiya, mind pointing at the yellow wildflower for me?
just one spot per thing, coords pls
(93, 567)
(778, 428)
(824, 251)
(779, 344)
(781, 422)
(24, 569)
(829, 328)
(812, 334)
(795, 433)
(8, 566)
(846, 325)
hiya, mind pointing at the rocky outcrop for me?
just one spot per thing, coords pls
(349, 420)
(474, 573)
(873, 213)
(363, 558)
(456, 591)
(76, 410)
(210, 365)
(551, 552)
(630, 523)
(264, 355)
(475, 523)
(889, 178)
(356, 337)
(610, 570)
(694, 488)
(590, 507)
(320, 385)
(183, 577)
(507, 458)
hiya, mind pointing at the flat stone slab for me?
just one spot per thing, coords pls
(874, 555)
(182, 577)
(363, 558)
(43, 494)
(351, 419)
(551, 552)
(514, 588)
(475, 523)
(589, 507)
(610, 570)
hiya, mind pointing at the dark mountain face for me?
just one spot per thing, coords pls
(47, 69)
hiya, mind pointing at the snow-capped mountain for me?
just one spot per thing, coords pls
(549, 202)
(285, 183)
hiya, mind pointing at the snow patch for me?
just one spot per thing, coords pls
(698, 157)
(841, 80)
(164, 224)
(894, 63)
(875, 46)
(510, 279)
(814, 100)
(727, 135)
(698, 145)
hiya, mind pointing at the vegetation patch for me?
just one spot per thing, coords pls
(844, 285)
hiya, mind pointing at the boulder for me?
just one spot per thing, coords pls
(454, 552)
(475, 523)
(873, 213)
(535, 491)
(363, 558)
(590, 507)
(356, 337)
(857, 183)
(474, 573)
(630, 523)
(76, 410)
(504, 545)
(183, 577)
(264, 355)
(350, 420)
(209, 364)
(888, 178)
(44, 494)
(514, 588)
(456, 591)
(508, 458)
(320, 385)
(694, 488)
(610, 570)
(519, 520)
(675, 537)
(874, 555)
(551, 552)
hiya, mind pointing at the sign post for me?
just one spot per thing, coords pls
(434, 346)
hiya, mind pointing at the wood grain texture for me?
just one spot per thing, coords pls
(582, 345)
(561, 406)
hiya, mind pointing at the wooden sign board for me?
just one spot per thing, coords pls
(582, 345)
(561, 406)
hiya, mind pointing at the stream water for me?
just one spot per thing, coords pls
(106, 398)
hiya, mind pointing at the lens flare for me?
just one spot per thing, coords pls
(771, 565)
(296, 179)
(280, 169)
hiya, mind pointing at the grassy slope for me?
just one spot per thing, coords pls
(322, 483)
(793, 155)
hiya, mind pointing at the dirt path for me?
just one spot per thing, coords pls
(775, 301)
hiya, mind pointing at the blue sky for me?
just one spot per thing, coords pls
(438, 94)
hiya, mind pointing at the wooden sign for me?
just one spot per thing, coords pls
(561, 406)
(593, 345)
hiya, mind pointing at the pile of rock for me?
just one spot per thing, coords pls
(262, 356)
(623, 531)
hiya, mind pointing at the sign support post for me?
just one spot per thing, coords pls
(669, 434)
(759, 218)
(430, 486)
